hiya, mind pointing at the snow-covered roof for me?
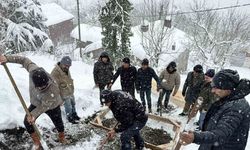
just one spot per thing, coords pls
(55, 14)
(88, 33)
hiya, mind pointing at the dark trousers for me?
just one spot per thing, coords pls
(133, 132)
(101, 88)
(54, 114)
(148, 95)
(161, 95)
(130, 90)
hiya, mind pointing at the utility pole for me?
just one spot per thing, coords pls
(79, 28)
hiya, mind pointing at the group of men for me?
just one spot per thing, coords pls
(139, 80)
(225, 114)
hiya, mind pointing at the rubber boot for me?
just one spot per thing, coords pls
(36, 140)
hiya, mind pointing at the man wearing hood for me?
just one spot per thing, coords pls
(62, 76)
(103, 72)
(170, 79)
(226, 125)
(44, 98)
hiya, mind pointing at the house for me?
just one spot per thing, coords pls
(59, 22)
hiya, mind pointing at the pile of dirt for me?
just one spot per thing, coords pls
(150, 135)
(110, 122)
(155, 136)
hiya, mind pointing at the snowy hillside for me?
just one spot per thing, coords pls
(12, 113)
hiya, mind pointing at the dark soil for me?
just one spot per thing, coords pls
(150, 135)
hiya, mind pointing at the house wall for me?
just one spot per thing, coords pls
(61, 32)
(247, 60)
(182, 61)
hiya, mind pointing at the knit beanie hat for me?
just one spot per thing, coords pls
(40, 77)
(210, 73)
(66, 61)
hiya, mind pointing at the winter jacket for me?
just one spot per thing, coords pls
(64, 81)
(207, 95)
(226, 124)
(126, 110)
(144, 79)
(192, 86)
(128, 76)
(103, 72)
(170, 80)
(44, 100)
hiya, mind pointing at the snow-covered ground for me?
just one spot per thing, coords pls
(87, 100)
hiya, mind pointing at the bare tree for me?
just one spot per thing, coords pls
(216, 36)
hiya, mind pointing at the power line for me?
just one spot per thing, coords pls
(205, 10)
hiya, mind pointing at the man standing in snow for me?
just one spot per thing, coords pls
(226, 125)
(62, 76)
(127, 73)
(207, 96)
(192, 87)
(144, 83)
(44, 98)
(129, 113)
(103, 72)
(170, 79)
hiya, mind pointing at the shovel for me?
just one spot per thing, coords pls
(43, 143)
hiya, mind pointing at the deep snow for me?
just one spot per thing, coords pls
(86, 97)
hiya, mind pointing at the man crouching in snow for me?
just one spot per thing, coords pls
(129, 113)
(226, 124)
(44, 98)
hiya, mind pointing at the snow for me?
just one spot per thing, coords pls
(55, 14)
(88, 33)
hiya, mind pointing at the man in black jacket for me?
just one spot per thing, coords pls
(129, 113)
(226, 124)
(144, 82)
(103, 72)
(127, 73)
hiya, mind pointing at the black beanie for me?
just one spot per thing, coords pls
(198, 69)
(145, 61)
(172, 64)
(66, 61)
(210, 73)
(126, 60)
(40, 77)
(226, 79)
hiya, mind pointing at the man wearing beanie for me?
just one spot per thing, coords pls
(144, 83)
(103, 72)
(170, 79)
(62, 76)
(191, 88)
(226, 125)
(44, 98)
(207, 96)
(127, 74)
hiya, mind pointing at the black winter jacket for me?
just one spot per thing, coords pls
(126, 110)
(103, 72)
(144, 78)
(128, 76)
(226, 124)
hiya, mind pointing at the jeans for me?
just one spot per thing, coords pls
(167, 95)
(201, 119)
(132, 132)
(54, 114)
(148, 95)
(69, 105)
(101, 88)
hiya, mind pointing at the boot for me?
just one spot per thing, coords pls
(72, 120)
(62, 139)
(75, 116)
(36, 140)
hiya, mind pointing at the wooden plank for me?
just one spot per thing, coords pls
(98, 120)
(166, 120)
(152, 146)
(104, 113)
(100, 126)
